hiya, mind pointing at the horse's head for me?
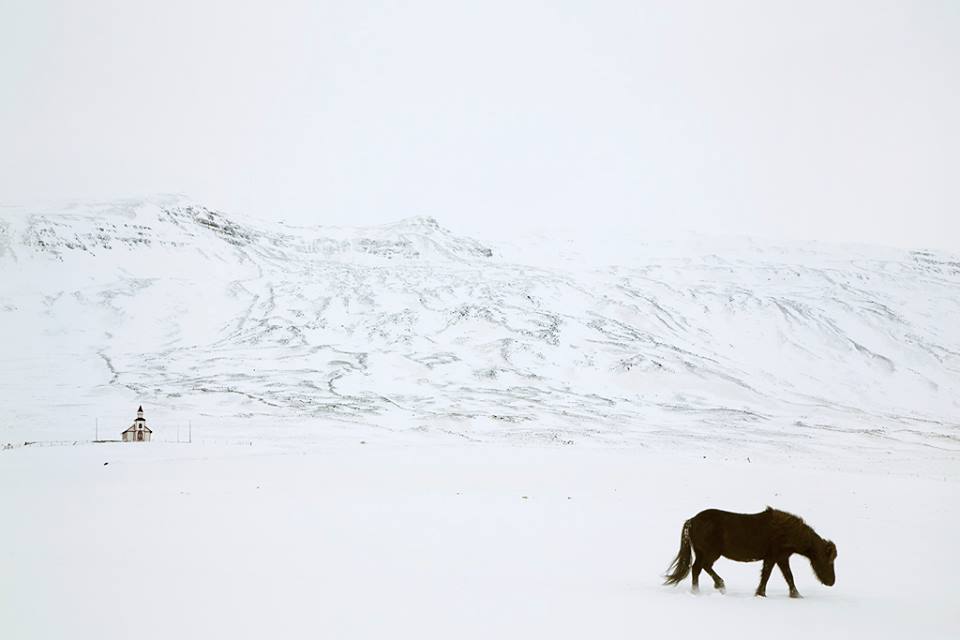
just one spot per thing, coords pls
(822, 561)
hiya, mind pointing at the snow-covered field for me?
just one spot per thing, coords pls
(430, 538)
(399, 431)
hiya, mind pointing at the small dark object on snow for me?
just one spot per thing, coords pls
(105, 463)
(771, 535)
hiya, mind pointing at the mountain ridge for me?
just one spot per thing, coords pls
(408, 325)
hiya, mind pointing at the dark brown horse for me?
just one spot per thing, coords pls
(771, 535)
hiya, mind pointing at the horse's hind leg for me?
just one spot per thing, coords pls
(695, 572)
(718, 583)
(706, 561)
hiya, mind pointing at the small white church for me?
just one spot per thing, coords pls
(138, 431)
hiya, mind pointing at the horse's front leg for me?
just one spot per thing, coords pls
(784, 564)
(764, 576)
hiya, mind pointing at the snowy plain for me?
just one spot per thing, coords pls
(398, 431)
(433, 539)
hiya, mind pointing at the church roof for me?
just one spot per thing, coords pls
(133, 428)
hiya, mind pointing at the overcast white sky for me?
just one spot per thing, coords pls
(835, 120)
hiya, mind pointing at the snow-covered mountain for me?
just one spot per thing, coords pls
(204, 316)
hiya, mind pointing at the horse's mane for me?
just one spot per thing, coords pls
(790, 527)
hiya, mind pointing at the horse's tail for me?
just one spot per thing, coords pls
(681, 564)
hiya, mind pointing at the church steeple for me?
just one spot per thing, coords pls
(138, 431)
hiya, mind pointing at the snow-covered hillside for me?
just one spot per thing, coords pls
(203, 316)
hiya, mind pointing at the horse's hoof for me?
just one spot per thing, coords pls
(722, 589)
(795, 594)
(760, 594)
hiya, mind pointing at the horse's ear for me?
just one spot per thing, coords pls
(831, 550)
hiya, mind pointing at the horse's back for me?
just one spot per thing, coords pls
(720, 517)
(738, 536)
